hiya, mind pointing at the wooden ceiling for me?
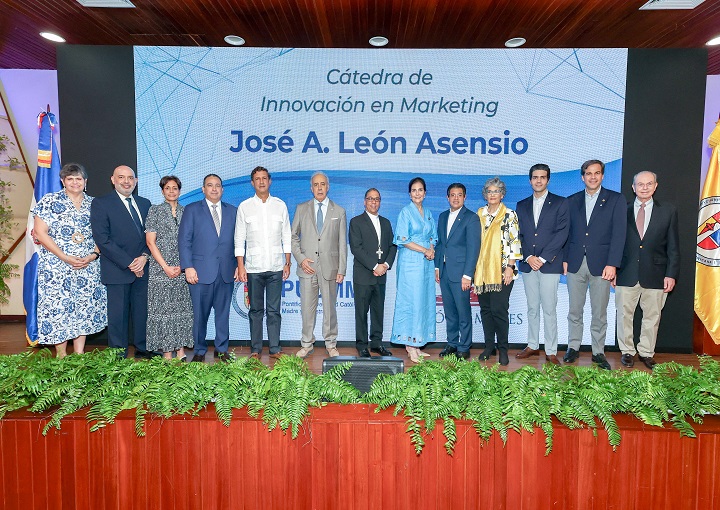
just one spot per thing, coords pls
(350, 23)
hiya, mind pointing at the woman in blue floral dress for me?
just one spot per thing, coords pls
(72, 303)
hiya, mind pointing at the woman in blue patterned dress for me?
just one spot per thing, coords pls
(72, 303)
(170, 314)
(415, 236)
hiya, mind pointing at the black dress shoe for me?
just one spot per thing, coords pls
(504, 358)
(571, 355)
(463, 354)
(142, 355)
(601, 362)
(223, 357)
(627, 360)
(363, 353)
(382, 351)
(448, 350)
(199, 358)
(649, 362)
(487, 354)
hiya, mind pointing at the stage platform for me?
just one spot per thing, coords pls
(348, 457)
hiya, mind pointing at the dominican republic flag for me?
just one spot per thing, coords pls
(47, 180)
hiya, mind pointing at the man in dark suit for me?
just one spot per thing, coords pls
(207, 255)
(456, 254)
(591, 256)
(543, 219)
(650, 265)
(371, 243)
(118, 227)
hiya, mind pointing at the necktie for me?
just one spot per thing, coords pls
(216, 219)
(319, 218)
(640, 220)
(135, 217)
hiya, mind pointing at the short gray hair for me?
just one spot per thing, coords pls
(327, 179)
(73, 169)
(495, 182)
(645, 172)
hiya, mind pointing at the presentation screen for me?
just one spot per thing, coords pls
(378, 118)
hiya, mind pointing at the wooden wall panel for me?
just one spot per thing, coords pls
(348, 457)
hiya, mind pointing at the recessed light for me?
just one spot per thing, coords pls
(714, 42)
(378, 41)
(234, 40)
(515, 42)
(52, 37)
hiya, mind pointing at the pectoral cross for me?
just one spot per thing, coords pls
(379, 252)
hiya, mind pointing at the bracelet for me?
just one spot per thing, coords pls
(97, 254)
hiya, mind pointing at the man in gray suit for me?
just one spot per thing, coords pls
(319, 246)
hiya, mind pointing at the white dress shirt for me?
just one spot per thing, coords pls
(648, 212)
(590, 201)
(219, 209)
(451, 219)
(134, 205)
(538, 205)
(262, 234)
(325, 204)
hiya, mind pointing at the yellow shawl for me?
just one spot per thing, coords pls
(488, 270)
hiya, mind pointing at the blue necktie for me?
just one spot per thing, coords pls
(319, 218)
(135, 216)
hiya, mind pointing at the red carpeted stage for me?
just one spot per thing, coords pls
(351, 458)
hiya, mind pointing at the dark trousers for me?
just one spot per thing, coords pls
(369, 298)
(261, 286)
(494, 307)
(127, 304)
(458, 317)
(213, 296)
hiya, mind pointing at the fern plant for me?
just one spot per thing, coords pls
(427, 394)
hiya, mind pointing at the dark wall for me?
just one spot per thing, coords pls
(664, 105)
(96, 89)
(664, 109)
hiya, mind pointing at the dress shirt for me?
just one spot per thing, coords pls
(451, 219)
(262, 234)
(219, 209)
(134, 204)
(538, 205)
(590, 201)
(325, 204)
(376, 223)
(648, 211)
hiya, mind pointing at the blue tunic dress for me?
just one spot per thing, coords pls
(71, 302)
(414, 319)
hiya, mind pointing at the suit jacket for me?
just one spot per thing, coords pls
(460, 250)
(657, 255)
(202, 248)
(116, 235)
(364, 244)
(328, 246)
(548, 238)
(602, 239)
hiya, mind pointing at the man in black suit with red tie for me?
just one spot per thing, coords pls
(118, 227)
(650, 265)
(371, 243)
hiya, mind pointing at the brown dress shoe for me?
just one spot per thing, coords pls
(276, 355)
(627, 360)
(552, 359)
(527, 352)
(649, 361)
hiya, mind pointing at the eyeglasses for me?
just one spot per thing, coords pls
(493, 192)
(644, 184)
(372, 199)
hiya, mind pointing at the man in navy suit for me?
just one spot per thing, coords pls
(592, 254)
(650, 265)
(207, 255)
(456, 255)
(118, 227)
(543, 219)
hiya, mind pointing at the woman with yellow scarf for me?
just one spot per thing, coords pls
(495, 271)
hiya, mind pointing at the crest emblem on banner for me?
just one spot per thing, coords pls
(708, 236)
(241, 299)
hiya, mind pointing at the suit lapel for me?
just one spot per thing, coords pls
(456, 224)
(631, 219)
(599, 203)
(129, 217)
(369, 225)
(208, 214)
(549, 199)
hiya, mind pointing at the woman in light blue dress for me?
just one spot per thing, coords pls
(72, 303)
(415, 236)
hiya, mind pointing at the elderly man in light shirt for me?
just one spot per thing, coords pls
(262, 249)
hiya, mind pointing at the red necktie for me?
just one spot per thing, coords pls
(640, 220)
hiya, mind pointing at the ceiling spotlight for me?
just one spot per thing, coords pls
(378, 41)
(714, 42)
(234, 40)
(515, 42)
(52, 37)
